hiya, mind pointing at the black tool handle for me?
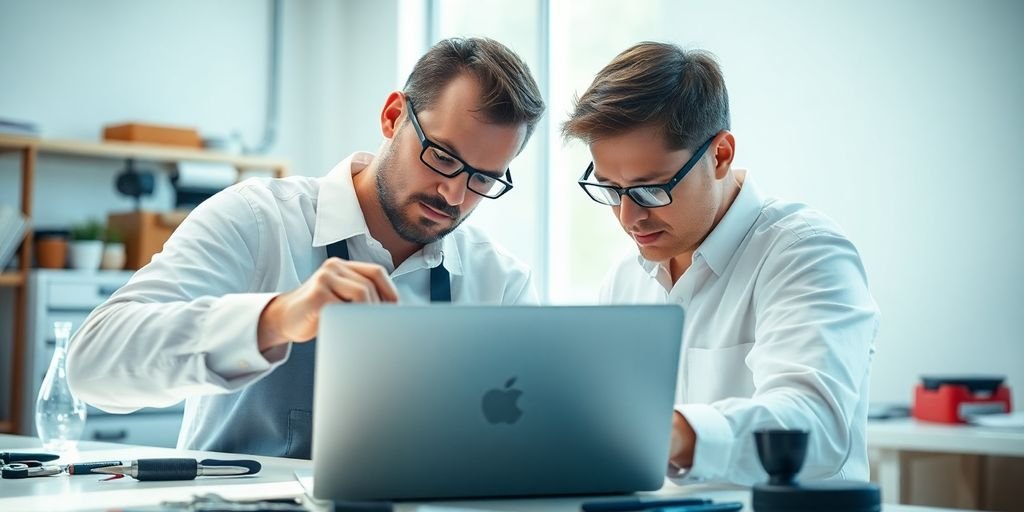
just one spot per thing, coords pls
(167, 469)
(20, 456)
(22, 470)
(253, 466)
(14, 471)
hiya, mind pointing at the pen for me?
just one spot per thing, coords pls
(630, 505)
(6, 457)
(84, 468)
(730, 506)
(363, 506)
(181, 469)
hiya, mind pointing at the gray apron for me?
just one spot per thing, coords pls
(274, 415)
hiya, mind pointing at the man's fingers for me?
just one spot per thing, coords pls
(378, 276)
(338, 267)
(352, 275)
(353, 290)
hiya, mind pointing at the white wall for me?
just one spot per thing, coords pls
(74, 66)
(903, 121)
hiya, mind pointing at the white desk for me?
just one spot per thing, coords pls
(893, 439)
(276, 480)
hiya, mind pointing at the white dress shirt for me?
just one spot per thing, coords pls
(779, 333)
(185, 324)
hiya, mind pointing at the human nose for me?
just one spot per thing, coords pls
(453, 190)
(630, 212)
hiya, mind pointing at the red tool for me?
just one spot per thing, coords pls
(952, 399)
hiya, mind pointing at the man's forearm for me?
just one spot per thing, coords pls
(130, 355)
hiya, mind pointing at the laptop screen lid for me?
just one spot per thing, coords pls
(448, 401)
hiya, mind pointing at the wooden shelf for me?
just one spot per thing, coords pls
(10, 143)
(29, 149)
(148, 152)
(11, 279)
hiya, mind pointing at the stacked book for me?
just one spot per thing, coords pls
(12, 231)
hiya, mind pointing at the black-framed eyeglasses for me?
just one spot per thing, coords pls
(646, 196)
(443, 162)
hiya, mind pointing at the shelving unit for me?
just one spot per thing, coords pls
(29, 149)
(19, 279)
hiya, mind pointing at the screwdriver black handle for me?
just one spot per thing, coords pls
(166, 469)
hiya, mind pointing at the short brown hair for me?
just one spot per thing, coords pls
(654, 84)
(510, 96)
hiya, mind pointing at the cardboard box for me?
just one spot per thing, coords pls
(153, 134)
(144, 234)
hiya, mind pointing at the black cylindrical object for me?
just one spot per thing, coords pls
(782, 454)
(167, 469)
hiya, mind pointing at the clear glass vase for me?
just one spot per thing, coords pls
(60, 416)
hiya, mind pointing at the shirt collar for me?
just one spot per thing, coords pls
(719, 247)
(339, 217)
(444, 251)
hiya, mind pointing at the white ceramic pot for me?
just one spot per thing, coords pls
(86, 254)
(113, 256)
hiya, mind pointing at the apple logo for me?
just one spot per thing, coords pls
(500, 406)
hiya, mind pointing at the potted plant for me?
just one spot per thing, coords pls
(113, 250)
(87, 246)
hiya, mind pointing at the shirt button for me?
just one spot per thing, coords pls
(243, 365)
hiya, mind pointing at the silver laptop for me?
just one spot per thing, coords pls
(422, 402)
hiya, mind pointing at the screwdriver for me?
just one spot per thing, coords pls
(181, 469)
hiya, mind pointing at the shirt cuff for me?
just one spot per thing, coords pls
(229, 339)
(714, 444)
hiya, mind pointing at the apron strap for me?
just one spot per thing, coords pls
(440, 279)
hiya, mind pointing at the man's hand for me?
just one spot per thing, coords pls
(684, 440)
(295, 315)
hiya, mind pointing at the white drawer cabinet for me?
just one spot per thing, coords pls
(149, 429)
(80, 293)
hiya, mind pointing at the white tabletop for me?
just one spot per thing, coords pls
(87, 492)
(910, 434)
(275, 480)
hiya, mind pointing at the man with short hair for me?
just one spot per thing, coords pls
(779, 321)
(224, 317)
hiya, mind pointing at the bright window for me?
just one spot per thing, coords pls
(570, 241)
(516, 220)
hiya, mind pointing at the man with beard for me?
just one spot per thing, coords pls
(223, 316)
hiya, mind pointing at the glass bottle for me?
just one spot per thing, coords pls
(60, 416)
